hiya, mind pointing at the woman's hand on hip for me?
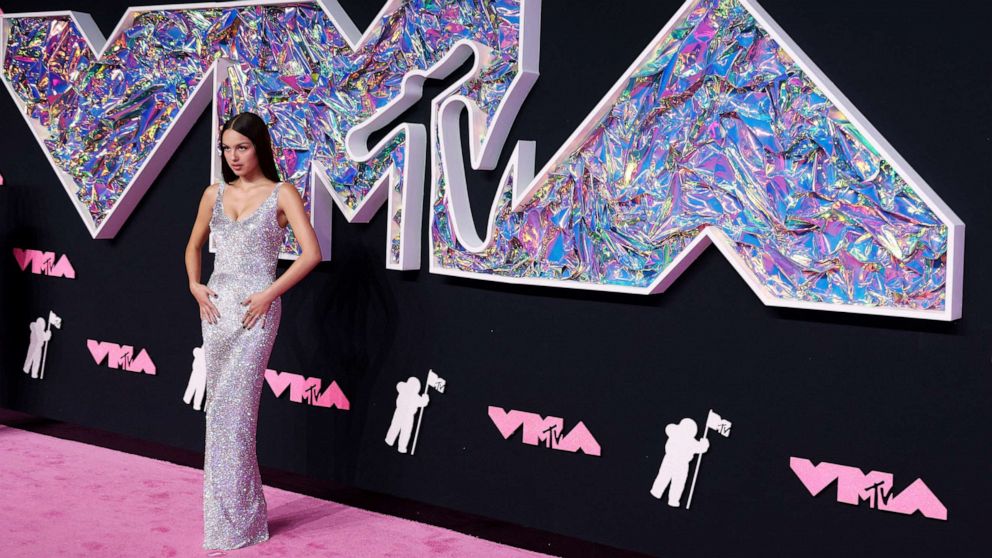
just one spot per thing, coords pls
(258, 306)
(203, 294)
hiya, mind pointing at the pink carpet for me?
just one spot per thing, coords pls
(64, 498)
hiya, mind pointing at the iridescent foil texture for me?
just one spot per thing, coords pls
(102, 118)
(720, 128)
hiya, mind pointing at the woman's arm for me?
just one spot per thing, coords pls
(292, 205)
(200, 233)
(197, 238)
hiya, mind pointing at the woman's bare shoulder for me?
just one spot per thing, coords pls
(287, 190)
(211, 190)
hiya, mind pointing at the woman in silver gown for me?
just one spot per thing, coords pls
(247, 213)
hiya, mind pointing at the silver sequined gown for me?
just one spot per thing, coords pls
(234, 510)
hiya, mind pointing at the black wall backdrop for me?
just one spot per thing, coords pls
(904, 396)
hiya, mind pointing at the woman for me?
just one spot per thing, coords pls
(247, 213)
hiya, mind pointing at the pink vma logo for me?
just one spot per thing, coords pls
(549, 431)
(43, 263)
(120, 356)
(854, 487)
(306, 390)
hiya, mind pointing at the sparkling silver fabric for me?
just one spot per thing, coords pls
(234, 510)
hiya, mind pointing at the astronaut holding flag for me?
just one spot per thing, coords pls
(41, 334)
(410, 402)
(680, 449)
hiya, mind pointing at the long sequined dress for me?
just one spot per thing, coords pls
(234, 509)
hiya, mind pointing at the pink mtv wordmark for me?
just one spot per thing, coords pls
(306, 390)
(43, 263)
(120, 356)
(549, 431)
(854, 487)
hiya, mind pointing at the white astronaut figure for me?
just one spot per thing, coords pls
(197, 385)
(38, 338)
(408, 401)
(680, 448)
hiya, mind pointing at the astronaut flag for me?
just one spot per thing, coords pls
(714, 422)
(433, 381)
(54, 320)
(436, 382)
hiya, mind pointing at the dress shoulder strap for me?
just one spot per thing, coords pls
(220, 192)
(275, 191)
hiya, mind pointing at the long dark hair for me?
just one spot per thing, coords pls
(251, 125)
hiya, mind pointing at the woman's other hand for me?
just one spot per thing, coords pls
(258, 307)
(203, 294)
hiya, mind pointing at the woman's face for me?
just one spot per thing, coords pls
(239, 152)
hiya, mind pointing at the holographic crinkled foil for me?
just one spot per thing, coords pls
(102, 118)
(717, 128)
(720, 128)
